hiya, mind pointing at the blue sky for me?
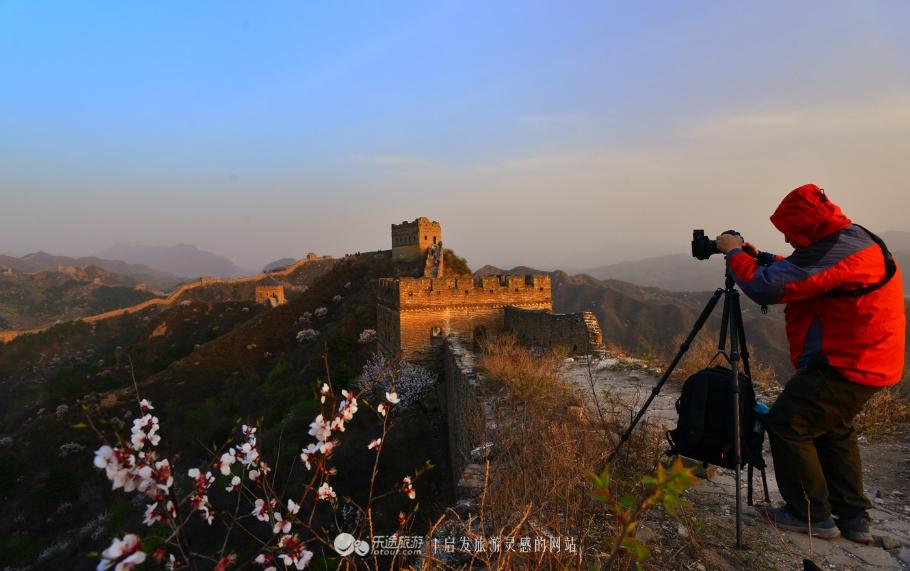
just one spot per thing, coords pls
(270, 129)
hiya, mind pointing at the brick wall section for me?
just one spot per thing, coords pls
(264, 293)
(409, 309)
(580, 333)
(465, 291)
(469, 415)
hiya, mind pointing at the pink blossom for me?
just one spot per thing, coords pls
(382, 408)
(151, 515)
(262, 509)
(408, 488)
(125, 553)
(392, 397)
(374, 444)
(294, 552)
(307, 455)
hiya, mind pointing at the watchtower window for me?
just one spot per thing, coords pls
(424, 238)
(434, 240)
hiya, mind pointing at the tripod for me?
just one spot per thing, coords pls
(732, 325)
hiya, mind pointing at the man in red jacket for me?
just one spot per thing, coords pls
(846, 327)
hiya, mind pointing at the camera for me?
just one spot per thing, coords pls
(704, 247)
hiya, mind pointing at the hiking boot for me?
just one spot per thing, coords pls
(783, 519)
(856, 529)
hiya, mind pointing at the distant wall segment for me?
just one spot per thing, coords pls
(580, 333)
(7, 336)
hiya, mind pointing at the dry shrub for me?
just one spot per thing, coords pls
(884, 412)
(704, 350)
(548, 446)
(523, 374)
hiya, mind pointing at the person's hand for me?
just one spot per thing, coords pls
(751, 249)
(727, 242)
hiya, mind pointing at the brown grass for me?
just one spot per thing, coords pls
(885, 412)
(704, 350)
(547, 447)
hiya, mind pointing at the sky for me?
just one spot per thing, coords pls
(550, 134)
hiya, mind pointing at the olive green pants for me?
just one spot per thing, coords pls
(816, 458)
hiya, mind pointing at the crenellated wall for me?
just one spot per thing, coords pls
(465, 291)
(409, 310)
(580, 333)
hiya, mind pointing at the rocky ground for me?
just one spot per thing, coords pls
(623, 385)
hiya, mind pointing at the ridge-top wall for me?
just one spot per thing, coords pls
(413, 312)
(7, 336)
(580, 333)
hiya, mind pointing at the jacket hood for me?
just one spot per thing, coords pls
(805, 216)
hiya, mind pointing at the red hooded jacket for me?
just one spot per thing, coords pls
(863, 336)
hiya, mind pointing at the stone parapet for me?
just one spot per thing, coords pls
(580, 333)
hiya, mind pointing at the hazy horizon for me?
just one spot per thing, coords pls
(570, 135)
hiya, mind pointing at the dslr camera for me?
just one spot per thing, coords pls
(704, 247)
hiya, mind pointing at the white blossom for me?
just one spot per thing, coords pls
(281, 525)
(325, 492)
(125, 553)
(320, 429)
(227, 459)
(293, 507)
(408, 488)
(234, 485)
(308, 454)
(305, 335)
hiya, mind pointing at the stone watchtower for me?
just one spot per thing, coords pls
(411, 240)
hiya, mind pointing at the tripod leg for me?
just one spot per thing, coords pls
(737, 429)
(749, 486)
(699, 323)
(764, 483)
(741, 331)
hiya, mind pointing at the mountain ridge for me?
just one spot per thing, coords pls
(184, 260)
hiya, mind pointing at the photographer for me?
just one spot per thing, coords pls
(846, 327)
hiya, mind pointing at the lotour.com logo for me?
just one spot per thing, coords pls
(345, 544)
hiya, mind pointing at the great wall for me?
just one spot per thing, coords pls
(174, 296)
(413, 315)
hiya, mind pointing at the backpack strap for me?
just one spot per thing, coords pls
(890, 271)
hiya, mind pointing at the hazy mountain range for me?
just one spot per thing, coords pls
(42, 261)
(182, 260)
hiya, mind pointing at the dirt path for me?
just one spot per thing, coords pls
(626, 384)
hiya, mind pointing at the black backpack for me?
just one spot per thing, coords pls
(705, 428)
